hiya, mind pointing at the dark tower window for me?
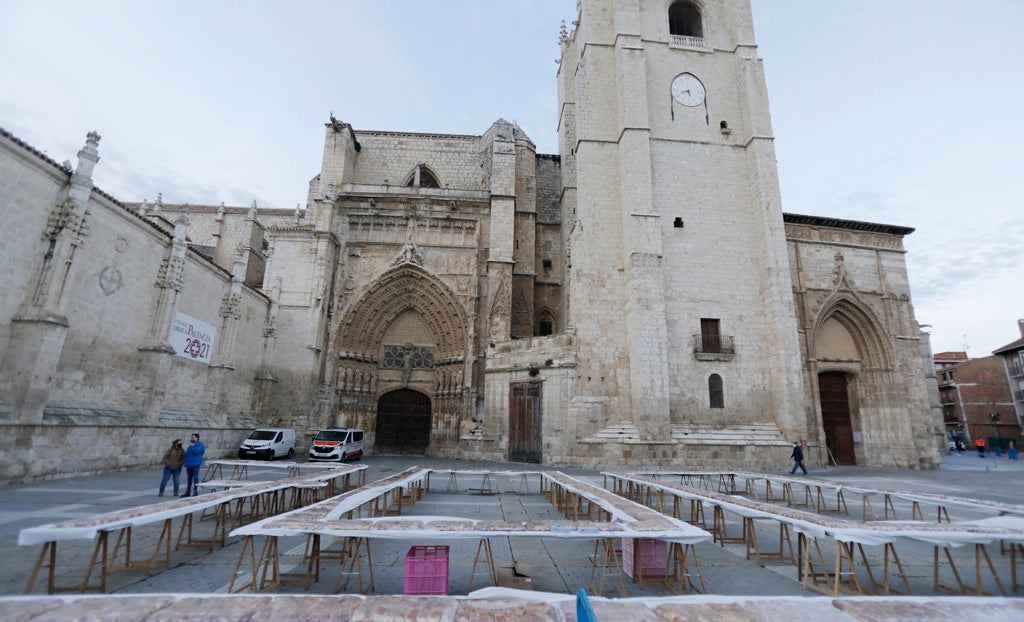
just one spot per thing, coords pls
(684, 20)
(545, 324)
(422, 177)
(716, 394)
(427, 180)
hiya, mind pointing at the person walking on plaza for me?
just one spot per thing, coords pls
(798, 458)
(193, 460)
(174, 458)
(980, 444)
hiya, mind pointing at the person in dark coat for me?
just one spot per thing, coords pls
(174, 459)
(798, 458)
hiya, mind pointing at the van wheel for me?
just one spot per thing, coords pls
(291, 453)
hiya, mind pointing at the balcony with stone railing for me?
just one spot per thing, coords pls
(687, 41)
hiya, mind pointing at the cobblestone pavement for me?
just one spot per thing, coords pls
(557, 566)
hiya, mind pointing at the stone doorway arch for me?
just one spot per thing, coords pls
(852, 377)
(403, 422)
(404, 343)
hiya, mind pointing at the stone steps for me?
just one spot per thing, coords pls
(765, 434)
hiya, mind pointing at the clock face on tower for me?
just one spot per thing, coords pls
(688, 90)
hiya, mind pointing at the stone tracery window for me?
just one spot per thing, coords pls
(423, 177)
(413, 357)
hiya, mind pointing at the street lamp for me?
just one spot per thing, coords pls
(995, 429)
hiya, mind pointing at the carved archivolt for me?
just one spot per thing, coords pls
(862, 324)
(406, 287)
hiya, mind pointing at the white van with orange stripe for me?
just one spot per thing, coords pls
(337, 444)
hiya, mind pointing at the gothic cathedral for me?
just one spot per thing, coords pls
(639, 298)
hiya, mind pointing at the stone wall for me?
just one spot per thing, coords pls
(88, 381)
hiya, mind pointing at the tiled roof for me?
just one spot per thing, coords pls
(840, 223)
(1013, 345)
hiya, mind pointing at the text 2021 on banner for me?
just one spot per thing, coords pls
(192, 338)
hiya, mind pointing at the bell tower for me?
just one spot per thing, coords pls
(679, 286)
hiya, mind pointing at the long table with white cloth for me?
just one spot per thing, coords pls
(610, 517)
(262, 499)
(849, 536)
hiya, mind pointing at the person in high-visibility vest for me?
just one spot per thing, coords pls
(980, 444)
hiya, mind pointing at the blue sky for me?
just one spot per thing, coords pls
(896, 111)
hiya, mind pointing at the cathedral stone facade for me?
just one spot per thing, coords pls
(638, 299)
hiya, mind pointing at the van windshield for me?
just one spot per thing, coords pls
(262, 435)
(331, 435)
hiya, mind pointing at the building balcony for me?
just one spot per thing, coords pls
(687, 41)
(713, 347)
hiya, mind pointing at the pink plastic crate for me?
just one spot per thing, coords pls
(645, 554)
(426, 570)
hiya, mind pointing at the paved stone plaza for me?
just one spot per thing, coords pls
(558, 566)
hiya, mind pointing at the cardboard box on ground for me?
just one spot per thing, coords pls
(518, 576)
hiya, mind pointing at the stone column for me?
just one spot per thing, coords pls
(502, 231)
(156, 352)
(40, 328)
(230, 313)
(264, 378)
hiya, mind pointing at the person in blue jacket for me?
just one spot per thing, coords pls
(193, 460)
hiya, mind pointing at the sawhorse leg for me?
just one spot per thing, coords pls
(485, 545)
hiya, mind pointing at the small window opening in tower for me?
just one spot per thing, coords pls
(545, 324)
(677, 223)
(684, 20)
(716, 391)
(427, 180)
(547, 266)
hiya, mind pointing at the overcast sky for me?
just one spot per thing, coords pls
(894, 111)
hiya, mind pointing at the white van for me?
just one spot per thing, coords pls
(338, 444)
(268, 443)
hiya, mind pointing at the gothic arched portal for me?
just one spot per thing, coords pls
(853, 362)
(402, 344)
(403, 422)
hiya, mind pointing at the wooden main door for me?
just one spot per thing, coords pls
(835, 416)
(403, 422)
(524, 422)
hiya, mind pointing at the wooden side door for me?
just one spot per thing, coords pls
(835, 416)
(524, 422)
